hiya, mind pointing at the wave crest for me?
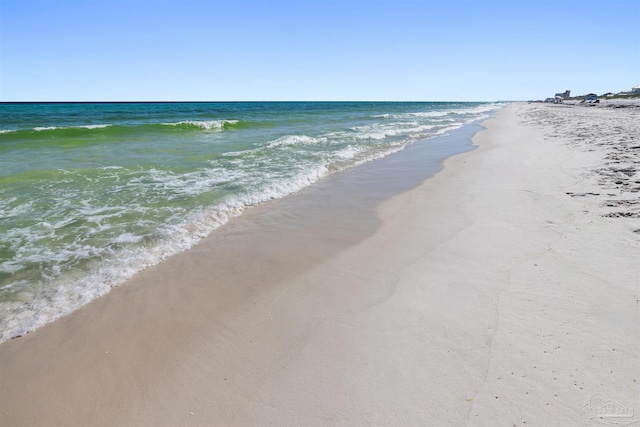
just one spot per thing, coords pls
(204, 124)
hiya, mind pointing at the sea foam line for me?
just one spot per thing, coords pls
(45, 128)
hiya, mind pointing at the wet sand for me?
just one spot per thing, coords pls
(488, 294)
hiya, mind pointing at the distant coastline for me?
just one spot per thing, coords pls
(631, 97)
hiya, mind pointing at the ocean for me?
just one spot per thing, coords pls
(91, 193)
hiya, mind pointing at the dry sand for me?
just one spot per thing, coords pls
(502, 291)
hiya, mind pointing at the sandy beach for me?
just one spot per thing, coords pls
(504, 290)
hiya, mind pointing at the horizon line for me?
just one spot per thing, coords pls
(212, 102)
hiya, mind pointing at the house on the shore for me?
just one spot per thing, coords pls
(635, 91)
(565, 95)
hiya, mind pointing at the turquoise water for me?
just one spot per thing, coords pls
(92, 193)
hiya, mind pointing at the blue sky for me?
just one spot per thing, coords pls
(403, 50)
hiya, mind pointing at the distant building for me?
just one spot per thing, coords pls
(635, 90)
(565, 95)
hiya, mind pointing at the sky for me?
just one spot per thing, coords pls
(316, 50)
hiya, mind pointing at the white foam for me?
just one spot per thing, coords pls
(204, 124)
(294, 140)
(430, 113)
(94, 126)
(349, 152)
(238, 153)
(375, 131)
(8, 212)
(98, 126)
(128, 238)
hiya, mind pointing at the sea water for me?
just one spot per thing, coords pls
(91, 193)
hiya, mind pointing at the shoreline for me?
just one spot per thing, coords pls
(478, 296)
(167, 212)
(433, 150)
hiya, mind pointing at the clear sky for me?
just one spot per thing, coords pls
(404, 50)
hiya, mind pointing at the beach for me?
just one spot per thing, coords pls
(92, 193)
(500, 288)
